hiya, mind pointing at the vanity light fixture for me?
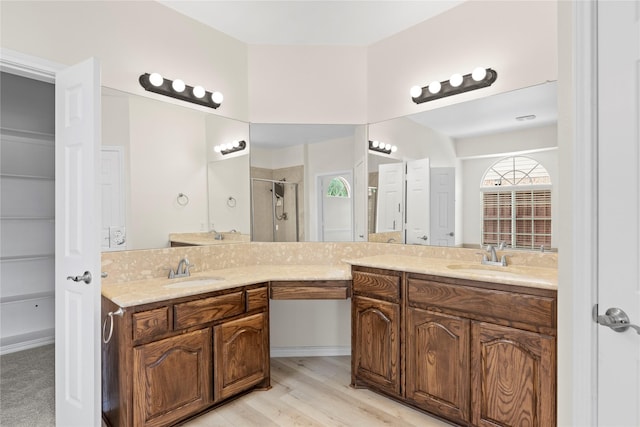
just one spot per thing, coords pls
(230, 147)
(381, 147)
(479, 78)
(177, 88)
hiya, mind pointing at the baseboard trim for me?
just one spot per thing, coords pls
(12, 345)
(309, 351)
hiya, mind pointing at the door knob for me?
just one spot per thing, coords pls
(86, 278)
(423, 237)
(451, 234)
(615, 318)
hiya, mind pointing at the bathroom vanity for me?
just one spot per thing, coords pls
(472, 344)
(171, 359)
(185, 345)
(472, 352)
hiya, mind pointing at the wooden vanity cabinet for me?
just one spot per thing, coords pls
(513, 377)
(437, 367)
(474, 353)
(170, 360)
(241, 355)
(172, 378)
(375, 330)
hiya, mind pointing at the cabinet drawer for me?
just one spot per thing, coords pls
(383, 286)
(149, 323)
(310, 289)
(485, 304)
(257, 298)
(206, 310)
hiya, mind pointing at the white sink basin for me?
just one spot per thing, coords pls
(496, 271)
(192, 282)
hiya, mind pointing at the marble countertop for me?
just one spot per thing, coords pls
(537, 277)
(132, 293)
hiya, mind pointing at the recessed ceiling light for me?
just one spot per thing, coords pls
(525, 118)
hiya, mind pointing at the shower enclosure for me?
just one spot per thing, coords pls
(274, 210)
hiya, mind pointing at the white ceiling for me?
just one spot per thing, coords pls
(306, 22)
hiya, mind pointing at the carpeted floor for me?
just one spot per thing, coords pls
(27, 391)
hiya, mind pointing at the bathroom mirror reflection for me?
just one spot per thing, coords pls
(459, 144)
(162, 177)
(292, 168)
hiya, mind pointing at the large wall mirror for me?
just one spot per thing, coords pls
(161, 175)
(297, 182)
(302, 181)
(434, 190)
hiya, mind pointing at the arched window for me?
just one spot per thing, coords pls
(338, 187)
(516, 204)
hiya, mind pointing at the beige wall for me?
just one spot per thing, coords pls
(292, 84)
(516, 38)
(307, 84)
(131, 38)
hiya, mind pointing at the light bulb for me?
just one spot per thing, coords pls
(394, 149)
(178, 85)
(236, 144)
(375, 144)
(217, 148)
(198, 91)
(415, 91)
(229, 146)
(455, 80)
(217, 97)
(435, 87)
(387, 146)
(479, 74)
(156, 79)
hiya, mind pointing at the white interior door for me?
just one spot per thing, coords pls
(77, 317)
(418, 202)
(389, 206)
(336, 210)
(618, 209)
(443, 205)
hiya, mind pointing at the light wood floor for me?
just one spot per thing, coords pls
(313, 391)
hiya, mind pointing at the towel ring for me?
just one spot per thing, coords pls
(182, 199)
(231, 202)
(109, 316)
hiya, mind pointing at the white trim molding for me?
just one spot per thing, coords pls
(577, 290)
(28, 66)
(309, 351)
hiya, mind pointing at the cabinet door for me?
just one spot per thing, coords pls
(376, 343)
(241, 355)
(172, 378)
(513, 377)
(438, 363)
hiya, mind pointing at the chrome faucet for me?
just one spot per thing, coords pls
(492, 250)
(216, 235)
(494, 257)
(182, 270)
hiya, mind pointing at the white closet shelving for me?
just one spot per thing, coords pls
(27, 240)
